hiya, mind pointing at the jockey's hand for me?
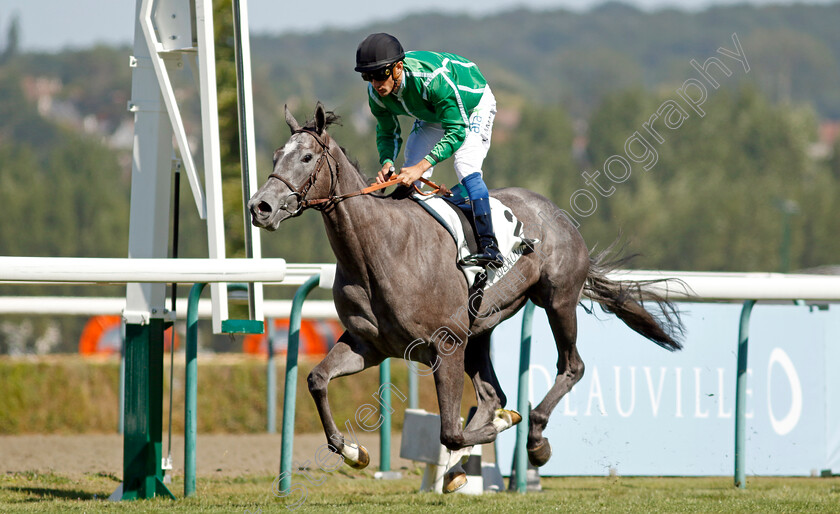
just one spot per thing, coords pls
(411, 174)
(385, 172)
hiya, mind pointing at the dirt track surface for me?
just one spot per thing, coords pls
(216, 454)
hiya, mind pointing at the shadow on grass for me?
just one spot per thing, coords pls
(43, 493)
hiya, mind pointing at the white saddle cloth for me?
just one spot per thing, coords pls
(508, 229)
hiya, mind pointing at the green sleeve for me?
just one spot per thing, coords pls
(444, 98)
(388, 138)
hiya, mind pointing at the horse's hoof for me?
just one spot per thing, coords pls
(453, 481)
(505, 419)
(357, 457)
(515, 417)
(539, 454)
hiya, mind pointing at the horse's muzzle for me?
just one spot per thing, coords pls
(261, 214)
(265, 215)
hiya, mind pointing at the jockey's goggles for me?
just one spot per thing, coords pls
(378, 75)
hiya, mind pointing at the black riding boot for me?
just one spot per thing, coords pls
(489, 254)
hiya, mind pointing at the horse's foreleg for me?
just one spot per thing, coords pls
(349, 355)
(563, 322)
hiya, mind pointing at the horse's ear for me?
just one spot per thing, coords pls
(294, 126)
(320, 118)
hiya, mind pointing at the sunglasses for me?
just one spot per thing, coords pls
(377, 75)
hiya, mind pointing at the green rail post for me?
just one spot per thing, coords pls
(287, 444)
(121, 423)
(191, 392)
(520, 460)
(230, 326)
(385, 410)
(271, 380)
(142, 452)
(741, 394)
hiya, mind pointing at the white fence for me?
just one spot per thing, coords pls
(710, 287)
(92, 306)
(693, 286)
(690, 286)
(122, 271)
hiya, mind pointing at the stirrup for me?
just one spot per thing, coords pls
(489, 258)
(528, 245)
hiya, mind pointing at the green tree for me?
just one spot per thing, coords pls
(588, 75)
(710, 202)
(793, 66)
(535, 154)
(12, 41)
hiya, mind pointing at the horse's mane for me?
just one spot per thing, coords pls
(332, 118)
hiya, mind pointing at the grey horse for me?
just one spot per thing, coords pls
(399, 292)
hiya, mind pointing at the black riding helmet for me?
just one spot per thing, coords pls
(378, 51)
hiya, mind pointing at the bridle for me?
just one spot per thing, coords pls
(303, 190)
(332, 199)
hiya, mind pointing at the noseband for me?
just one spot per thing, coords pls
(303, 190)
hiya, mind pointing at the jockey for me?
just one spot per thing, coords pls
(453, 109)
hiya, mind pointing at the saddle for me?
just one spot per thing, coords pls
(461, 207)
(454, 213)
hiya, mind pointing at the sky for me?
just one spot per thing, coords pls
(53, 25)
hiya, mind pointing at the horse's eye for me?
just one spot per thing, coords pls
(307, 157)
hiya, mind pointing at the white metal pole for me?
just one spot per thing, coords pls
(174, 26)
(247, 148)
(161, 271)
(150, 181)
(212, 152)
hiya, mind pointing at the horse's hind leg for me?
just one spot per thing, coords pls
(563, 321)
(349, 355)
(489, 418)
(449, 382)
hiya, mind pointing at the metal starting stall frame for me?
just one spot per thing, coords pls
(170, 36)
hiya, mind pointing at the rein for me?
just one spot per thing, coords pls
(333, 199)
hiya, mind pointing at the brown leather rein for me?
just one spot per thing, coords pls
(332, 199)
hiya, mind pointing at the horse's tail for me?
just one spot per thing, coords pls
(620, 298)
